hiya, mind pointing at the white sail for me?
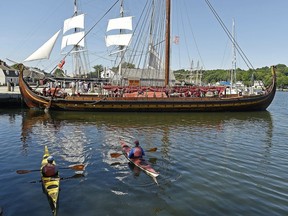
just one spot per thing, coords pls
(74, 22)
(73, 39)
(154, 59)
(45, 50)
(120, 23)
(118, 40)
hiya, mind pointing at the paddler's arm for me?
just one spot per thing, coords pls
(131, 153)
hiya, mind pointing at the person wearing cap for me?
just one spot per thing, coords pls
(50, 169)
(136, 152)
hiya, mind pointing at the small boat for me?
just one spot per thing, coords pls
(50, 185)
(139, 162)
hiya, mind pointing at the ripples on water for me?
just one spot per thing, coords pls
(209, 163)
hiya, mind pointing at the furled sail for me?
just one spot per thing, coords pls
(154, 59)
(119, 24)
(73, 39)
(74, 22)
(77, 37)
(45, 50)
(118, 40)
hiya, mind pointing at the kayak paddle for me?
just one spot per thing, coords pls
(78, 167)
(115, 155)
(64, 178)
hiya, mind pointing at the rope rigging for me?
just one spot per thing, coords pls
(230, 36)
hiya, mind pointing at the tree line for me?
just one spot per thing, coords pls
(245, 76)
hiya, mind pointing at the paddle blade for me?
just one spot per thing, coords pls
(78, 167)
(26, 171)
(152, 160)
(115, 155)
(23, 171)
(152, 150)
(73, 177)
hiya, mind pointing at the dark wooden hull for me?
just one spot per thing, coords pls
(135, 104)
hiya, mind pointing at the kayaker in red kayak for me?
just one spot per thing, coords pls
(136, 152)
(50, 169)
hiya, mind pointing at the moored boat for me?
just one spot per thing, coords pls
(50, 185)
(136, 95)
(139, 162)
(92, 102)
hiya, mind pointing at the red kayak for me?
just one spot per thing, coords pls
(139, 162)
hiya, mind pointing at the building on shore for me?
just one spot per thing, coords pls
(8, 74)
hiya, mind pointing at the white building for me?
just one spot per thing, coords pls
(8, 74)
(107, 74)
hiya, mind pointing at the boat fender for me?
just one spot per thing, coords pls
(240, 93)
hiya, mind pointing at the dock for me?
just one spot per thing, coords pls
(10, 99)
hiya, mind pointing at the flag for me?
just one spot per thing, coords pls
(60, 65)
(176, 40)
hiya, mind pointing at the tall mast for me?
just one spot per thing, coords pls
(167, 44)
(121, 47)
(80, 64)
(75, 8)
(76, 47)
(151, 26)
(233, 71)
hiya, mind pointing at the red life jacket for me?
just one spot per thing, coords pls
(137, 152)
(49, 170)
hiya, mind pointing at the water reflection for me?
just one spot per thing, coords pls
(71, 131)
(140, 120)
(55, 133)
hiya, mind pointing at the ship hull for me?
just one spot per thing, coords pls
(96, 103)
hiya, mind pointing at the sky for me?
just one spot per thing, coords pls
(261, 31)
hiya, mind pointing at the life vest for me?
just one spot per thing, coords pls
(49, 170)
(137, 152)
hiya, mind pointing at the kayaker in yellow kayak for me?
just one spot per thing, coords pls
(50, 169)
(136, 152)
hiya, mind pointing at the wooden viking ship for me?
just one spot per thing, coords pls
(144, 98)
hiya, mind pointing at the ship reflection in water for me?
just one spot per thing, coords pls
(54, 133)
(75, 133)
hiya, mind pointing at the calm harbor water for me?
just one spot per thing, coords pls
(209, 163)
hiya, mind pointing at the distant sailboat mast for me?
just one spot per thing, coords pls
(77, 40)
(78, 55)
(121, 40)
(233, 71)
(167, 43)
(121, 47)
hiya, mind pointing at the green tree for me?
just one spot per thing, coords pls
(124, 65)
(97, 71)
(59, 73)
(98, 68)
(246, 76)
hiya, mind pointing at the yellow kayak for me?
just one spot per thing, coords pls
(50, 184)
